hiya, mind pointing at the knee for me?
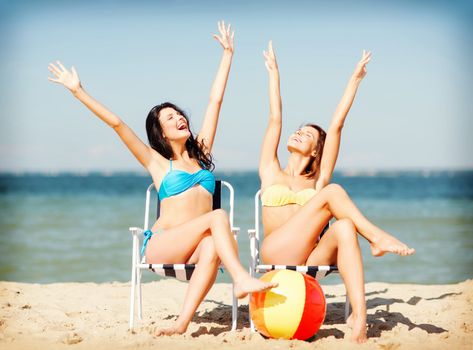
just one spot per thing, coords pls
(220, 215)
(335, 189)
(345, 230)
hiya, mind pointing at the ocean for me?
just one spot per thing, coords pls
(74, 227)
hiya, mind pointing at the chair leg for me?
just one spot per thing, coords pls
(234, 310)
(252, 274)
(132, 297)
(347, 308)
(252, 325)
(140, 314)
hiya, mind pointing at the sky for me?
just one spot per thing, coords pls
(413, 111)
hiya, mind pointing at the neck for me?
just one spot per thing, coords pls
(180, 151)
(296, 164)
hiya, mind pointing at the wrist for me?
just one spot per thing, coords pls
(355, 79)
(77, 90)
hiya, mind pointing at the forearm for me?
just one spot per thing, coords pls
(275, 104)
(98, 109)
(220, 82)
(345, 103)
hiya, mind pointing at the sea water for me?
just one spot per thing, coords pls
(74, 227)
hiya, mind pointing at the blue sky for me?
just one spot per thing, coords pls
(413, 110)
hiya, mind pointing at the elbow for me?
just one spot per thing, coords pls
(216, 100)
(275, 119)
(117, 125)
(336, 127)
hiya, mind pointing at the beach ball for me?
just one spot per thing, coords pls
(293, 310)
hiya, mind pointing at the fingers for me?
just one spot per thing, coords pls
(55, 70)
(226, 35)
(225, 31)
(54, 80)
(74, 72)
(366, 56)
(61, 66)
(218, 39)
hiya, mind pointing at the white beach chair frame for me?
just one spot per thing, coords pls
(172, 270)
(318, 272)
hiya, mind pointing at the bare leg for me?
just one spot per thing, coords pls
(176, 245)
(340, 246)
(199, 285)
(305, 226)
(341, 206)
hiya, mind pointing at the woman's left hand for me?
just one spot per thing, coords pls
(360, 70)
(226, 36)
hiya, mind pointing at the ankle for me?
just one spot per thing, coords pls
(359, 314)
(241, 276)
(181, 325)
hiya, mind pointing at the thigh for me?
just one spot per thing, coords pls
(177, 244)
(292, 243)
(325, 253)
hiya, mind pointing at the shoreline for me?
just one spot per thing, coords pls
(92, 315)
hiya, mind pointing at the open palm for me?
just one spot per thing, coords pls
(270, 57)
(70, 79)
(226, 36)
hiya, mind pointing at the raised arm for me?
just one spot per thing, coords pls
(269, 157)
(209, 126)
(70, 79)
(334, 132)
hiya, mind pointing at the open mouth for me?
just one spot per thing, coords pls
(182, 126)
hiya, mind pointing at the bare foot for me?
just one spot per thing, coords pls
(389, 244)
(170, 331)
(249, 284)
(358, 326)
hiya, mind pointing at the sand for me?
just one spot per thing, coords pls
(95, 316)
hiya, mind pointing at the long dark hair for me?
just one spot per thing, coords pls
(159, 144)
(313, 168)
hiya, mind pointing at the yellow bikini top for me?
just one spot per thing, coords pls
(278, 195)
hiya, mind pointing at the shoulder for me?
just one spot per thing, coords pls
(158, 165)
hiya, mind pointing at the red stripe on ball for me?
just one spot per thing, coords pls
(314, 310)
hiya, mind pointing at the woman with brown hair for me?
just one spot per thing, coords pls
(298, 200)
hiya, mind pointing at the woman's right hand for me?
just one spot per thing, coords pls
(70, 79)
(270, 58)
(360, 70)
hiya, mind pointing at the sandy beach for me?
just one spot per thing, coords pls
(95, 316)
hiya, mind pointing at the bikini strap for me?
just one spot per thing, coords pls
(170, 162)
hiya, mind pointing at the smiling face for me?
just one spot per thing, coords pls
(303, 141)
(174, 125)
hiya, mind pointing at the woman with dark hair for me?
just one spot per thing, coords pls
(179, 163)
(298, 200)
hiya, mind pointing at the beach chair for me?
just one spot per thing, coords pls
(180, 271)
(318, 272)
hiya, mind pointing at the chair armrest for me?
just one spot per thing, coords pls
(251, 233)
(235, 232)
(136, 230)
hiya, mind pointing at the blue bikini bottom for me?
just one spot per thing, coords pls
(147, 234)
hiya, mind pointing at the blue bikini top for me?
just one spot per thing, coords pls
(178, 181)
